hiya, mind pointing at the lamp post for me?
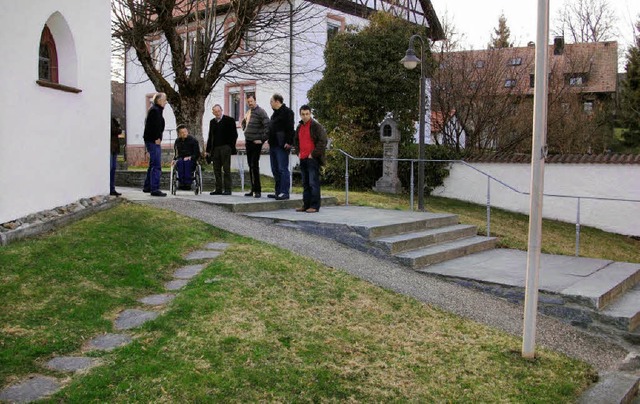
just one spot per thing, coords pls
(410, 61)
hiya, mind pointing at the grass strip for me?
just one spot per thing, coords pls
(259, 324)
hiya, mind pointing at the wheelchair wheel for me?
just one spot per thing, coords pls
(173, 181)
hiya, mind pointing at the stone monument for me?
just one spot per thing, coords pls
(390, 137)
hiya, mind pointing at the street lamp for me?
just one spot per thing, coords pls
(410, 61)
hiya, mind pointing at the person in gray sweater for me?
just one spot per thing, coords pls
(255, 125)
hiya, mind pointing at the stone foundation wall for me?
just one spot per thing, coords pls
(135, 179)
(47, 220)
(138, 156)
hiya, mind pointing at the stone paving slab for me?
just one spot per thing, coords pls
(509, 267)
(157, 300)
(597, 286)
(133, 318)
(72, 363)
(176, 284)
(217, 246)
(613, 387)
(34, 388)
(355, 216)
(202, 255)
(188, 272)
(108, 342)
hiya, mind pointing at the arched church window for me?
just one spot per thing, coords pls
(48, 57)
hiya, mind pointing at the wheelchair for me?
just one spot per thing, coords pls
(176, 182)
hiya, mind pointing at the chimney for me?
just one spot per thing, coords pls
(558, 45)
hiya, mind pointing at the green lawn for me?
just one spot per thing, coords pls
(259, 324)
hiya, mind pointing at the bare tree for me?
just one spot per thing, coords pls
(586, 21)
(479, 89)
(187, 46)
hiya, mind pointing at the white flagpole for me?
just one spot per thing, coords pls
(538, 152)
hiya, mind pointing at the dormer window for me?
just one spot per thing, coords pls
(515, 62)
(510, 83)
(577, 80)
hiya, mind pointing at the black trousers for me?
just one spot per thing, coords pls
(253, 159)
(222, 162)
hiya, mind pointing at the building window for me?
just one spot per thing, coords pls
(235, 99)
(155, 53)
(48, 57)
(515, 62)
(588, 107)
(577, 80)
(479, 64)
(510, 83)
(335, 25)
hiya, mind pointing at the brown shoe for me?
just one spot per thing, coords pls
(311, 210)
(301, 209)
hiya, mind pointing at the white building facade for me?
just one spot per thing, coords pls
(55, 108)
(296, 68)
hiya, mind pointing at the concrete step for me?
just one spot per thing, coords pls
(624, 313)
(446, 251)
(250, 205)
(411, 241)
(433, 221)
(604, 286)
(613, 387)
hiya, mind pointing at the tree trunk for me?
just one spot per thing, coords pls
(188, 111)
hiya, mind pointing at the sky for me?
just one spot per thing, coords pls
(477, 19)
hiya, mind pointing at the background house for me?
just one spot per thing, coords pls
(492, 93)
(295, 65)
(54, 112)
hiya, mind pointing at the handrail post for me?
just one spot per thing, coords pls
(578, 229)
(346, 180)
(488, 206)
(411, 186)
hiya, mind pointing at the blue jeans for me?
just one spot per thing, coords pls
(310, 170)
(280, 169)
(152, 181)
(112, 172)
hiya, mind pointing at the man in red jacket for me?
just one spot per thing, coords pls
(311, 142)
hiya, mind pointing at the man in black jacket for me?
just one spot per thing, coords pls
(186, 152)
(280, 141)
(153, 128)
(221, 144)
(116, 130)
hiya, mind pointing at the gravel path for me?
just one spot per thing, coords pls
(485, 309)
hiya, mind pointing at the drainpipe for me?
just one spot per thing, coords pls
(291, 54)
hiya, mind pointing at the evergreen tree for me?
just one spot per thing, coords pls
(362, 83)
(500, 36)
(630, 95)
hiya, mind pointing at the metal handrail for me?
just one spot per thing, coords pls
(489, 179)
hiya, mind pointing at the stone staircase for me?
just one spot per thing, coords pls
(416, 239)
(441, 239)
(600, 295)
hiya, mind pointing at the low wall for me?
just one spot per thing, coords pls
(593, 180)
(135, 179)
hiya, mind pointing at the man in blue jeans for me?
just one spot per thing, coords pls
(311, 142)
(153, 128)
(280, 141)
